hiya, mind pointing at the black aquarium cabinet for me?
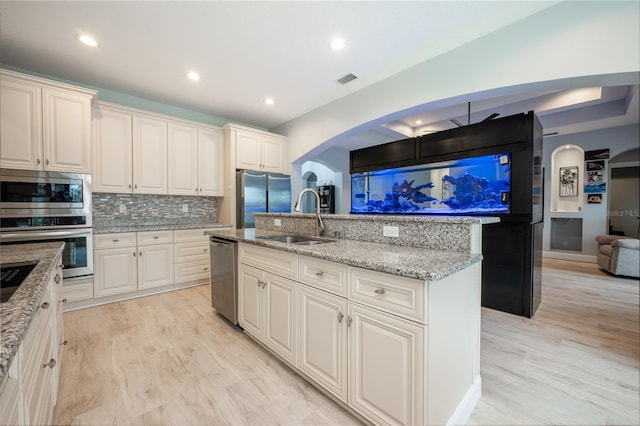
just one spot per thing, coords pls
(512, 249)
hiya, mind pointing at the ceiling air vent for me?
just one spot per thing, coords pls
(347, 78)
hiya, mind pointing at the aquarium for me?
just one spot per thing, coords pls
(475, 185)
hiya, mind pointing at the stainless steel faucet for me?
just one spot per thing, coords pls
(319, 225)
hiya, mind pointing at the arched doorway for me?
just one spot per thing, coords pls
(309, 180)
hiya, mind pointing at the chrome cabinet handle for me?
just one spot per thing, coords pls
(340, 317)
(115, 241)
(52, 363)
(155, 237)
(206, 269)
(65, 343)
(135, 186)
(134, 254)
(64, 300)
(57, 279)
(129, 186)
(200, 189)
(381, 291)
(319, 274)
(46, 162)
(349, 321)
(205, 250)
(45, 305)
(38, 161)
(140, 254)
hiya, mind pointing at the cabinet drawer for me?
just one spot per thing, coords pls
(81, 290)
(192, 271)
(190, 235)
(154, 237)
(124, 239)
(405, 297)
(191, 252)
(325, 275)
(276, 261)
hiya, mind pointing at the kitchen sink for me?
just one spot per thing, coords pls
(299, 240)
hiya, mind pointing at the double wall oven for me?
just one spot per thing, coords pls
(39, 206)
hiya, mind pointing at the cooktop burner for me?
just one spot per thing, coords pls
(12, 275)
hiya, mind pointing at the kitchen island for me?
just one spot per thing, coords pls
(31, 332)
(391, 331)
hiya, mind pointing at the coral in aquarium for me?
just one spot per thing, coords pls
(392, 203)
(471, 192)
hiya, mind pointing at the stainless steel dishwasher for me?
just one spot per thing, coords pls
(224, 277)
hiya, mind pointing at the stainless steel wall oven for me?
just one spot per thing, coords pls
(38, 206)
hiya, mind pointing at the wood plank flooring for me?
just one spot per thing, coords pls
(169, 360)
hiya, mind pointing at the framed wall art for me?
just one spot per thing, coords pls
(569, 181)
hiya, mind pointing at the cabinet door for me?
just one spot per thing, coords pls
(386, 362)
(183, 159)
(272, 155)
(112, 151)
(281, 297)
(149, 155)
(210, 163)
(66, 130)
(155, 266)
(323, 340)
(250, 305)
(248, 151)
(115, 271)
(20, 125)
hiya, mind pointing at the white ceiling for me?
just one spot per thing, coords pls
(247, 51)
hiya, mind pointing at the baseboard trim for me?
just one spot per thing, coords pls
(468, 404)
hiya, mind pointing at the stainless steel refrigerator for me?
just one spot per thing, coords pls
(260, 192)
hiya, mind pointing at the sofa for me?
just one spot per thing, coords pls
(619, 255)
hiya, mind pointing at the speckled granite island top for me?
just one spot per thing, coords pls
(16, 314)
(117, 228)
(406, 261)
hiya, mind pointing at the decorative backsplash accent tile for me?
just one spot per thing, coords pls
(145, 209)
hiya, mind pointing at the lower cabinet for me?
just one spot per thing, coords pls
(268, 310)
(396, 350)
(323, 340)
(155, 266)
(29, 392)
(115, 271)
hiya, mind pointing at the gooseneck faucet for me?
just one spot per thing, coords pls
(319, 226)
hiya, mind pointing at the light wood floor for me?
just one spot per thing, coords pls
(168, 359)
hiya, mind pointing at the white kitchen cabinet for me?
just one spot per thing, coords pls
(195, 161)
(112, 150)
(115, 271)
(260, 151)
(386, 367)
(323, 340)
(191, 255)
(44, 125)
(268, 310)
(155, 259)
(57, 328)
(149, 155)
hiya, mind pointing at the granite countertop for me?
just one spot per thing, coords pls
(117, 228)
(412, 262)
(16, 314)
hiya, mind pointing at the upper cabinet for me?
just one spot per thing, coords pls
(257, 150)
(44, 125)
(143, 153)
(193, 152)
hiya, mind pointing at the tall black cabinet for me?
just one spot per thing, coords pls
(512, 248)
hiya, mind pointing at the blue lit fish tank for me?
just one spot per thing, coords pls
(475, 185)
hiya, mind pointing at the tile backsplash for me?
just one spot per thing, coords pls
(144, 209)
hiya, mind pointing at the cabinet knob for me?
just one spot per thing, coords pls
(52, 363)
(200, 189)
(319, 274)
(155, 237)
(46, 162)
(57, 279)
(206, 269)
(65, 343)
(38, 161)
(129, 186)
(45, 305)
(135, 186)
(205, 250)
(140, 254)
(134, 254)
(340, 317)
(380, 291)
(349, 321)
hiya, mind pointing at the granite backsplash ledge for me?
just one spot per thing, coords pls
(146, 209)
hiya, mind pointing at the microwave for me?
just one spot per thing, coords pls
(30, 198)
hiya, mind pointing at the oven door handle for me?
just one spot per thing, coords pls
(31, 235)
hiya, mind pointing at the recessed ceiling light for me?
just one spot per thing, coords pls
(337, 43)
(88, 40)
(193, 76)
(418, 121)
(269, 101)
